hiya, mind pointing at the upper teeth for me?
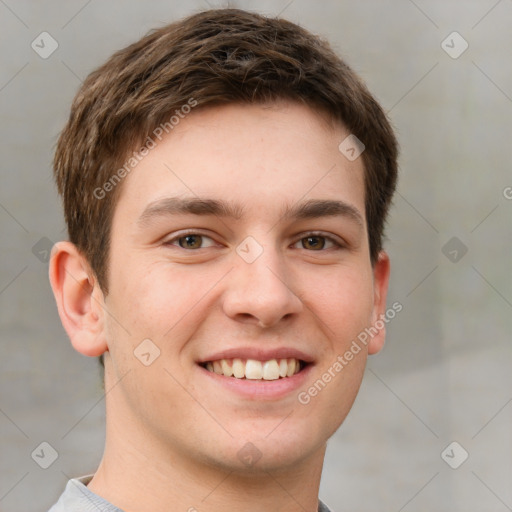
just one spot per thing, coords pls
(253, 369)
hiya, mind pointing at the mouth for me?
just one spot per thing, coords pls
(253, 369)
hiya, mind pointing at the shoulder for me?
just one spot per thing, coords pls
(78, 498)
(322, 507)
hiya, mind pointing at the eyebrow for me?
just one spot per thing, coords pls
(315, 208)
(194, 206)
(311, 209)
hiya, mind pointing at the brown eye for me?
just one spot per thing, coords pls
(313, 243)
(190, 241)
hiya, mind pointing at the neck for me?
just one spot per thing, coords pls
(137, 476)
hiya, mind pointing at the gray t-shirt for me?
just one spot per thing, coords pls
(77, 497)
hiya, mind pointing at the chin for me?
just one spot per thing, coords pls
(263, 451)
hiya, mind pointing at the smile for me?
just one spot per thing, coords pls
(253, 369)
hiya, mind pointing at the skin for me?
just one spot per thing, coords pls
(174, 433)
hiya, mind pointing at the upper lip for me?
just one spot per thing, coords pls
(258, 353)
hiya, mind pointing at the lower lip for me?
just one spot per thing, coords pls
(261, 389)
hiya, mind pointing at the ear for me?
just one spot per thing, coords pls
(79, 299)
(381, 272)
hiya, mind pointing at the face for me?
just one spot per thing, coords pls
(239, 245)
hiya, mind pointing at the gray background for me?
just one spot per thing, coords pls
(445, 372)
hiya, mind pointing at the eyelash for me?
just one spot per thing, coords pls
(335, 243)
(174, 241)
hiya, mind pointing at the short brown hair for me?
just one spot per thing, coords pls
(214, 57)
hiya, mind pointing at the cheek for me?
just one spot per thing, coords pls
(344, 303)
(150, 295)
(345, 309)
(159, 302)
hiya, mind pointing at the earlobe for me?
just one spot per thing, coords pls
(79, 299)
(381, 273)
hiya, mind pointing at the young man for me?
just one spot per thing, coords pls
(225, 183)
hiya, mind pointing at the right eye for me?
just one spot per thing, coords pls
(191, 241)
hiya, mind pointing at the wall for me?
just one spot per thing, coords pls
(444, 375)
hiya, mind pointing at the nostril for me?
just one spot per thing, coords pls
(246, 318)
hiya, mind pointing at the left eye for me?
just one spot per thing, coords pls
(192, 241)
(316, 243)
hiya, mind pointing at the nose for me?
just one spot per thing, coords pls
(260, 293)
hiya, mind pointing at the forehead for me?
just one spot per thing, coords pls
(255, 156)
